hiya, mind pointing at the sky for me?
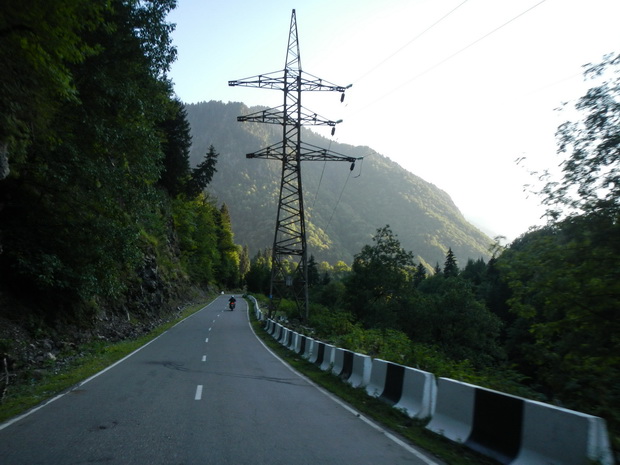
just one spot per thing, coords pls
(462, 93)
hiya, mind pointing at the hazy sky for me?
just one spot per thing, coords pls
(454, 91)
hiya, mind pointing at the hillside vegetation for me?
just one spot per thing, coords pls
(343, 207)
(104, 227)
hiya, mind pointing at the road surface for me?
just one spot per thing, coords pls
(207, 391)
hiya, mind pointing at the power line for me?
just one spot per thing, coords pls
(338, 201)
(436, 65)
(411, 41)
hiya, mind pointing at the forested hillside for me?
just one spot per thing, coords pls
(104, 228)
(343, 207)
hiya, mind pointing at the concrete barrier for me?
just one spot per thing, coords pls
(283, 335)
(343, 364)
(484, 420)
(339, 362)
(517, 431)
(277, 331)
(293, 342)
(300, 345)
(386, 381)
(307, 353)
(318, 351)
(553, 435)
(360, 370)
(418, 394)
(328, 358)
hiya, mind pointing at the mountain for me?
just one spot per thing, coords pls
(343, 208)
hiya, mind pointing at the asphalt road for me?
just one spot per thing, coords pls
(207, 391)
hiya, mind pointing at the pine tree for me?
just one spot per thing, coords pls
(201, 175)
(420, 274)
(450, 268)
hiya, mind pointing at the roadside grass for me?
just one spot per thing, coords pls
(81, 363)
(396, 421)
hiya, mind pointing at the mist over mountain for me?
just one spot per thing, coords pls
(343, 207)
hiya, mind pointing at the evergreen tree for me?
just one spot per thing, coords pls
(176, 146)
(450, 268)
(259, 276)
(244, 262)
(419, 275)
(313, 272)
(437, 270)
(228, 269)
(201, 175)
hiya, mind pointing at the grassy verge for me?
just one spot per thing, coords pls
(82, 363)
(392, 419)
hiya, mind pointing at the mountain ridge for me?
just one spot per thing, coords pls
(343, 208)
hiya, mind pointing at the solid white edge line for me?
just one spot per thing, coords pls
(368, 421)
(8, 423)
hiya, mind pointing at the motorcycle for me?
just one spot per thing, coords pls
(231, 305)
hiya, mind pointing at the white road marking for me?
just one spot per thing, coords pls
(204, 358)
(207, 340)
(198, 392)
(49, 401)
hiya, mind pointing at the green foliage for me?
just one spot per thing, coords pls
(446, 312)
(175, 175)
(201, 175)
(86, 187)
(380, 274)
(228, 269)
(196, 225)
(450, 267)
(591, 172)
(82, 213)
(259, 276)
(564, 282)
(40, 41)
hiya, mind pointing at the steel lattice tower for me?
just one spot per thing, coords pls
(289, 242)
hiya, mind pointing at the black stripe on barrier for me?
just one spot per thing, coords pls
(289, 337)
(497, 425)
(347, 365)
(394, 378)
(320, 355)
(302, 346)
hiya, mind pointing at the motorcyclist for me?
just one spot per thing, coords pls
(231, 302)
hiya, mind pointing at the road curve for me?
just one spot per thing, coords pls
(207, 391)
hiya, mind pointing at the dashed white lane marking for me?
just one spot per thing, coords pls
(209, 329)
(207, 340)
(204, 358)
(198, 392)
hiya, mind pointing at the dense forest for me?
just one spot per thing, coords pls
(101, 212)
(104, 213)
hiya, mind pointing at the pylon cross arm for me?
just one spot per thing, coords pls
(313, 83)
(277, 116)
(267, 81)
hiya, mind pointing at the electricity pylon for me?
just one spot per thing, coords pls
(289, 243)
